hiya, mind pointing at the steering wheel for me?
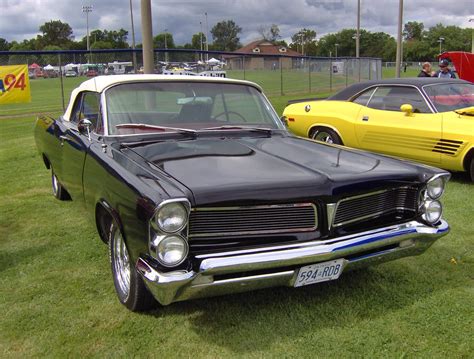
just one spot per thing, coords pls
(228, 113)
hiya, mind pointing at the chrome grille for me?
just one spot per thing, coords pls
(371, 205)
(249, 220)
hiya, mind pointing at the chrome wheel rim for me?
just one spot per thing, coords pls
(55, 184)
(323, 136)
(121, 264)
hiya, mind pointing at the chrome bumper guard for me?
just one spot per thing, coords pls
(376, 246)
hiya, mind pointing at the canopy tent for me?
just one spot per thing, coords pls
(34, 65)
(213, 61)
(48, 67)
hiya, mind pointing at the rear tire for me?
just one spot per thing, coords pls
(326, 135)
(471, 169)
(129, 286)
(58, 190)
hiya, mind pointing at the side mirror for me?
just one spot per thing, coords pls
(284, 120)
(84, 127)
(407, 109)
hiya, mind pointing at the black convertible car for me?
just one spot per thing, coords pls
(199, 190)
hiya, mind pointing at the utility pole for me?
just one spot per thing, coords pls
(166, 47)
(398, 60)
(440, 40)
(134, 54)
(147, 37)
(336, 45)
(472, 35)
(87, 9)
(207, 38)
(358, 29)
(200, 35)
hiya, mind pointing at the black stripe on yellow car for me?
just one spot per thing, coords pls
(448, 147)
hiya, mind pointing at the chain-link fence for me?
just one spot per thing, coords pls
(61, 71)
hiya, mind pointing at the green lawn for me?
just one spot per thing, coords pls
(57, 297)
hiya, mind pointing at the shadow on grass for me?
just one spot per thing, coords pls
(260, 319)
(14, 258)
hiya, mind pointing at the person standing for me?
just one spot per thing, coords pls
(425, 70)
(444, 70)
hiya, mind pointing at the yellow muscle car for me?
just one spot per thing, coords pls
(428, 120)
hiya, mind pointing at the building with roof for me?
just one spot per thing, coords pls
(262, 55)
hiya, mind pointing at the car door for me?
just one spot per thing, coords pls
(75, 144)
(382, 127)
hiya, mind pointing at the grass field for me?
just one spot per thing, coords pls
(57, 297)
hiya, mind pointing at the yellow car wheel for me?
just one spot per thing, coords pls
(471, 169)
(325, 134)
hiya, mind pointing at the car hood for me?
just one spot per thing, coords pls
(252, 170)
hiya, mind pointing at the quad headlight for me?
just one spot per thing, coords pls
(167, 238)
(431, 211)
(431, 208)
(170, 250)
(171, 217)
(435, 187)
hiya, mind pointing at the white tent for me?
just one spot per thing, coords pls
(48, 67)
(213, 61)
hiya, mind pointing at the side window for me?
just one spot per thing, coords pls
(364, 97)
(88, 106)
(391, 98)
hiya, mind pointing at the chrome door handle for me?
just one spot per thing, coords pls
(365, 118)
(63, 138)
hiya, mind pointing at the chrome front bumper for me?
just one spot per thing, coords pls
(272, 263)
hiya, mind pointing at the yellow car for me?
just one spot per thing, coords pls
(429, 120)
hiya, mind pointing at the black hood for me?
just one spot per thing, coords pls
(256, 169)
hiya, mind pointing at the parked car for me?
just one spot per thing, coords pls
(92, 73)
(71, 73)
(429, 120)
(199, 190)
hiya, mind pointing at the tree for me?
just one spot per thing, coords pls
(55, 33)
(413, 30)
(117, 39)
(225, 35)
(304, 40)
(197, 40)
(159, 41)
(271, 34)
(4, 45)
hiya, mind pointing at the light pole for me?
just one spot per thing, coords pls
(200, 35)
(87, 9)
(134, 55)
(166, 47)
(472, 35)
(440, 40)
(398, 60)
(207, 38)
(336, 45)
(358, 29)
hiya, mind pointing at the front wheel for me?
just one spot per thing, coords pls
(131, 290)
(325, 135)
(471, 169)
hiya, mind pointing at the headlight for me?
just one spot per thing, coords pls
(435, 187)
(171, 250)
(432, 211)
(172, 217)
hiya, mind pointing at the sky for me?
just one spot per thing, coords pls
(21, 19)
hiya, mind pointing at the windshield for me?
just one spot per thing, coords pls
(450, 96)
(163, 106)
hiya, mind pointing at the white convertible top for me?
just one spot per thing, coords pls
(100, 83)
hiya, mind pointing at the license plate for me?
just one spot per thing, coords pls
(320, 272)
